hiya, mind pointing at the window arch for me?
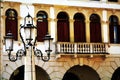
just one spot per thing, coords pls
(11, 23)
(114, 29)
(79, 28)
(63, 27)
(42, 25)
(95, 28)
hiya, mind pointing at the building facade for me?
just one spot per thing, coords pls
(86, 34)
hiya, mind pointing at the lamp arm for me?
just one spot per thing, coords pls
(22, 39)
(11, 57)
(39, 54)
(15, 57)
(21, 53)
(46, 58)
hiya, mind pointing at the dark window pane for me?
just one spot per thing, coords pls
(95, 28)
(63, 27)
(114, 29)
(79, 28)
(42, 25)
(11, 23)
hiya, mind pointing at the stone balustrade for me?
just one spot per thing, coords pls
(81, 48)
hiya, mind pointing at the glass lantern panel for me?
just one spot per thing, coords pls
(9, 44)
(47, 44)
(27, 33)
(29, 20)
(51, 43)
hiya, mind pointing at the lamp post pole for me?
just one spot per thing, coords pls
(30, 65)
(29, 51)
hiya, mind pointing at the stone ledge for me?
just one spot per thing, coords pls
(82, 55)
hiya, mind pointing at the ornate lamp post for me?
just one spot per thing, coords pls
(28, 36)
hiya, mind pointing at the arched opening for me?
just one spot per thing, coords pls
(81, 73)
(70, 76)
(18, 74)
(63, 27)
(41, 74)
(116, 74)
(79, 28)
(95, 28)
(42, 25)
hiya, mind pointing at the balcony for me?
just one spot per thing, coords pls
(67, 48)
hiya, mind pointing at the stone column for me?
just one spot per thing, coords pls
(29, 65)
(87, 31)
(71, 30)
(52, 21)
(105, 28)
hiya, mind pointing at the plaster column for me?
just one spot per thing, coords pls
(53, 29)
(87, 31)
(29, 65)
(71, 30)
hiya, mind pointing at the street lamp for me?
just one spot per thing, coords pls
(28, 36)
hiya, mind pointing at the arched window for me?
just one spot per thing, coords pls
(114, 29)
(11, 23)
(63, 27)
(79, 28)
(95, 28)
(42, 25)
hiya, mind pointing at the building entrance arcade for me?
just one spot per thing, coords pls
(81, 73)
(18, 74)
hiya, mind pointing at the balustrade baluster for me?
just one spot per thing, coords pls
(75, 48)
(91, 48)
(97, 51)
(94, 49)
(62, 47)
(81, 48)
(102, 50)
(58, 48)
(69, 48)
(78, 47)
(65, 48)
(72, 46)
